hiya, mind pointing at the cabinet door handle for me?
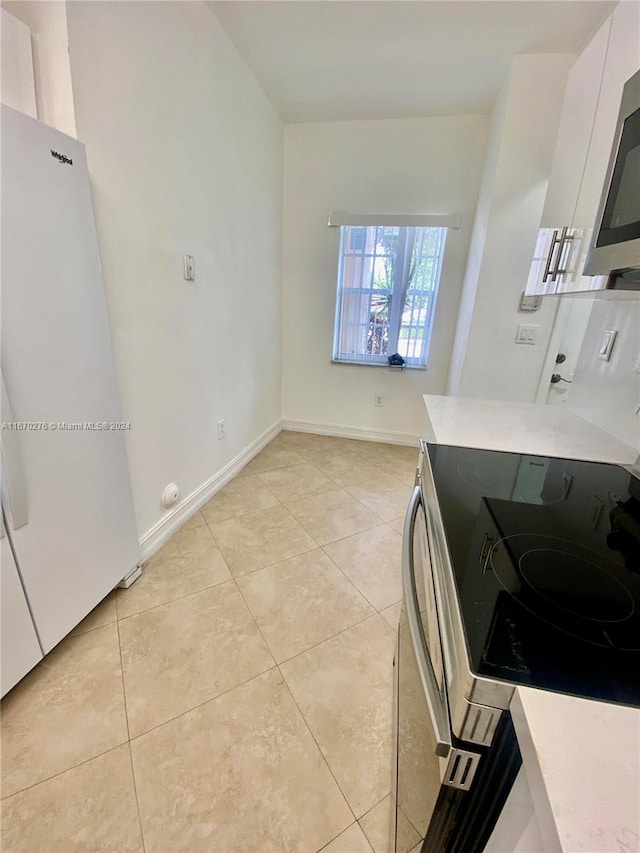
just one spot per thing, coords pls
(14, 472)
(556, 269)
(552, 246)
(565, 239)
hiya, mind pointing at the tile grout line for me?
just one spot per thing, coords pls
(277, 562)
(349, 535)
(353, 584)
(324, 758)
(380, 801)
(233, 576)
(126, 714)
(222, 692)
(135, 791)
(384, 521)
(66, 770)
(124, 692)
(355, 823)
(315, 645)
(321, 548)
(344, 491)
(204, 702)
(255, 622)
(313, 465)
(177, 598)
(338, 488)
(317, 546)
(283, 504)
(333, 480)
(236, 515)
(333, 636)
(328, 476)
(276, 665)
(142, 734)
(353, 448)
(245, 514)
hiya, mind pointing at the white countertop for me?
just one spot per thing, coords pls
(528, 428)
(582, 762)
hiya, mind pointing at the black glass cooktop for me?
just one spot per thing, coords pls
(546, 557)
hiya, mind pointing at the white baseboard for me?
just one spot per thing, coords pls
(342, 431)
(164, 529)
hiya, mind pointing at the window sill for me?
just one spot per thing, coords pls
(379, 364)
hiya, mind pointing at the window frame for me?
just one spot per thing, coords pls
(400, 291)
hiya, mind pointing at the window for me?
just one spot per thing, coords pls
(387, 284)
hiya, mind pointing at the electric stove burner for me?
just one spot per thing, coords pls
(555, 602)
(567, 585)
(482, 474)
(549, 572)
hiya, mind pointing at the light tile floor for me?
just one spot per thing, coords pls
(238, 697)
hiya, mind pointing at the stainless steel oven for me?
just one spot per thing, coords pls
(455, 756)
(615, 242)
(517, 569)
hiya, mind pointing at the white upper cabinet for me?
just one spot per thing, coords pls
(585, 136)
(575, 130)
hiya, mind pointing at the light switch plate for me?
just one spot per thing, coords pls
(527, 334)
(606, 344)
(189, 269)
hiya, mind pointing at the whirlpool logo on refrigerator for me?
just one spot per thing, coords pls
(62, 158)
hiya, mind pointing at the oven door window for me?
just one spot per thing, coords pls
(621, 217)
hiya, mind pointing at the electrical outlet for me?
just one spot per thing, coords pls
(221, 428)
(378, 400)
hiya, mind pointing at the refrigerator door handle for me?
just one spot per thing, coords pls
(15, 487)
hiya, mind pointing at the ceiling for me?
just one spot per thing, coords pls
(326, 60)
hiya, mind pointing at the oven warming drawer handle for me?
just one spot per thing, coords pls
(437, 709)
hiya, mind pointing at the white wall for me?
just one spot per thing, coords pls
(488, 363)
(429, 165)
(47, 20)
(478, 243)
(17, 85)
(185, 154)
(608, 392)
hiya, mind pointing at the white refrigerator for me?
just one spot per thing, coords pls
(69, 534)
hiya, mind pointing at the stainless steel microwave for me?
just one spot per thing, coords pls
(615, 242)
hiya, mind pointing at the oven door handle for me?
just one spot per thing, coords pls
(437, 709)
